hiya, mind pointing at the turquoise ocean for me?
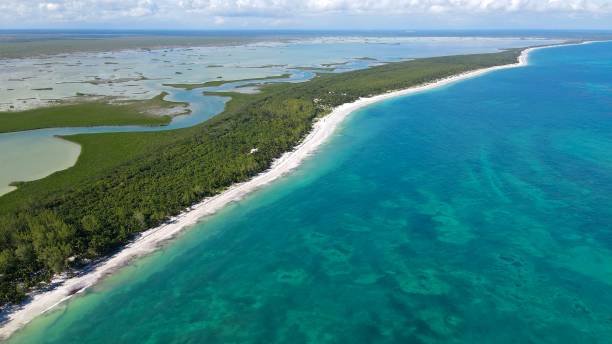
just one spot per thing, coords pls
(479, 212)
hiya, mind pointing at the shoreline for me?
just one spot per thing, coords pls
(150, 240)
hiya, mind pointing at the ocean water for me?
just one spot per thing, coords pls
(474, 213)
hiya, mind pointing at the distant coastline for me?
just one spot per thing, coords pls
(150, 240)
(47, 42)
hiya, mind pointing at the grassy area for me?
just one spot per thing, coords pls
(124, 183)
(92, 113)
(214, 83)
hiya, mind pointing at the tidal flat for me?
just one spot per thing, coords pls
(140, 74)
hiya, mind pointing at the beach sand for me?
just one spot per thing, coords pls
(43, 301)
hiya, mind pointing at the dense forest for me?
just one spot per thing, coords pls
(125, 183)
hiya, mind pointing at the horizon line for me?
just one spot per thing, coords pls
(299, 30)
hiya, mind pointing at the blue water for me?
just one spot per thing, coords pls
(478, 212)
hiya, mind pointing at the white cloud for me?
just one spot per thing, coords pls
(77, 10)
(217, 11)
(219, 20)
(394, 6)
(49, 6)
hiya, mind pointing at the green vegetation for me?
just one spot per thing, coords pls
(334, 64)
(36, 45)
(125, 183)
(98, 81)
(153, 111)
(215, 83)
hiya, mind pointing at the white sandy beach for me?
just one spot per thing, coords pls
(151, 239)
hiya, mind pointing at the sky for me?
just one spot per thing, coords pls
(306, 14)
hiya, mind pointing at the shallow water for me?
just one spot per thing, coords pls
(477, 212)
(44, 154)
(66, 75)
(30, 82)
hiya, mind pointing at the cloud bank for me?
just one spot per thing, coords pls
(394, 6)
(215, 12)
